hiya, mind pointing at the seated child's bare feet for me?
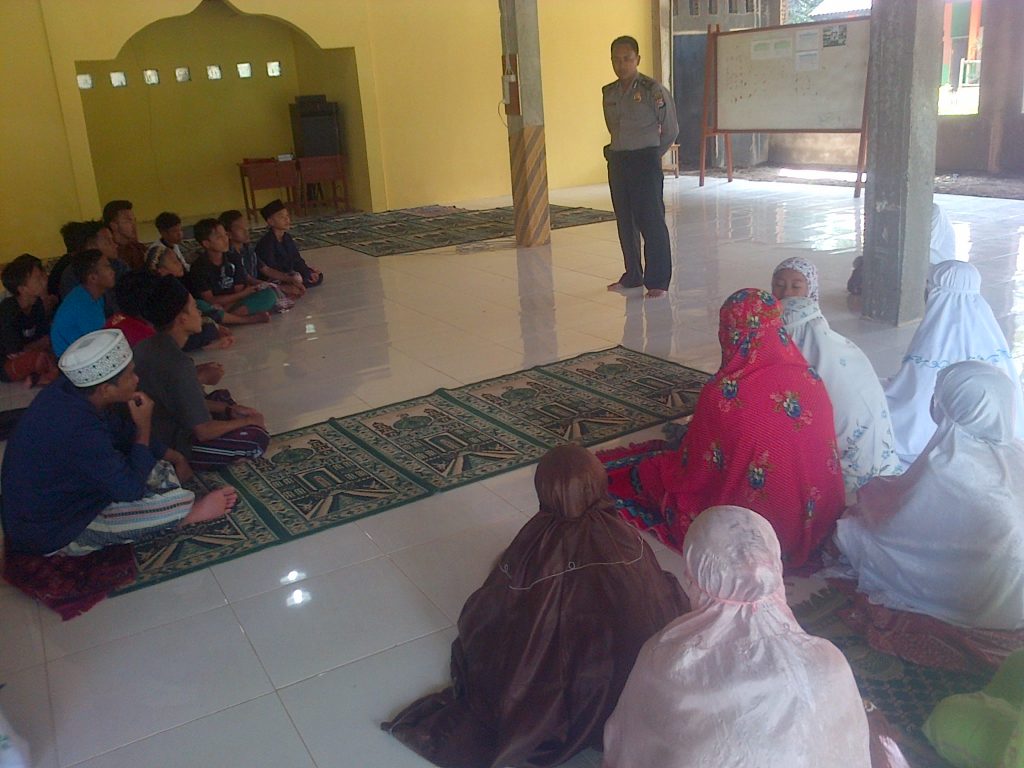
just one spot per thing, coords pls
(213, 505)
(209, 373)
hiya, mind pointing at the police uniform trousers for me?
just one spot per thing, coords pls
(637, 186)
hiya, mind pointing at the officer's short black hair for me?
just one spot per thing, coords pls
(626, 40)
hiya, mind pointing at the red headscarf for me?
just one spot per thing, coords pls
(762, 437)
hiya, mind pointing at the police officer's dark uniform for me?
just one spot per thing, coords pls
(642, 123)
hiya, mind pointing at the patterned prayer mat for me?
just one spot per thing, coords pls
(906, 693)
(347, 468)
(418, 229)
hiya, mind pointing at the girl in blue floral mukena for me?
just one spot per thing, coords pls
(762, 437)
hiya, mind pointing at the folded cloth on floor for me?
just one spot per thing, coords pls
(71, 585)
(925, 640)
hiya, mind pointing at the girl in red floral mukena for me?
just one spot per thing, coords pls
(762, 437)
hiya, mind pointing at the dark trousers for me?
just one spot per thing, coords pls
(637, 185)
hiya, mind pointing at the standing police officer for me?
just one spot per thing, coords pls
(641, 119)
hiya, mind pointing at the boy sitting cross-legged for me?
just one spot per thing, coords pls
(222, 281)
(210, 430)
(79, 474)
(278, 249)
(289, 286)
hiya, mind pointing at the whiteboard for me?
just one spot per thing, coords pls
(804, 77)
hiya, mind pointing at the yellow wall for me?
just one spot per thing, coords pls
(437, 66)
(174, 146)
(334, 74)
(423, 75)
(575, 64)
(37, 191)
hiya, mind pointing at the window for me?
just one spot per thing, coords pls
(244, 69)
(151, 77)
(85, 82)
(695, 7)
(118, 79)
(273, 69)
(962, 42)
(182, 74)
(712, 7)
(213, 72)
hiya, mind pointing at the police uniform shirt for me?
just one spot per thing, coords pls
(642, 116)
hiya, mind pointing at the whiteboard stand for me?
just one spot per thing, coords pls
(774, 94)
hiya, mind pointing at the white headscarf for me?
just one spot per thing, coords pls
(859, 407)
(805, 268)
(947, 537)
(736, 682)
(958, 325)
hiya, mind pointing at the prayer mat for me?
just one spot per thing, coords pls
(418, 229)
(906, 693)
(344, 469)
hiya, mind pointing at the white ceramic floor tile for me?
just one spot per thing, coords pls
(118, 617)
(436, 517)
(517, 488)
(122, 691)
(339, 713)
(21, 636)
(303, 630)
(449, 570)
(26, 705)
(256, 734)
(294, 562)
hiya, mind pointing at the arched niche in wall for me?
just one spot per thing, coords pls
(171, 142)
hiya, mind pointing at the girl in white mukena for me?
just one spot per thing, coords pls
(736, 682)
(958, 325)
(863, 428)
(947, 537)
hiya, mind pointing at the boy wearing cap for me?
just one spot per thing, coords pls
(278, 249)
(211, 431)
(78, 475)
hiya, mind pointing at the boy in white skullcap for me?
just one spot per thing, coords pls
(78, 475)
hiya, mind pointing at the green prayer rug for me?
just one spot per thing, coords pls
(418, 229)
(347, 468)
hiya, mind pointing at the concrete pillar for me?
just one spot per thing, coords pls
(903, 80)
(520, 47)
(661, 37)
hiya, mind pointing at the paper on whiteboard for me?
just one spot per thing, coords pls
(807, 39)
(761, 49)
(807, 61)
(782, 48)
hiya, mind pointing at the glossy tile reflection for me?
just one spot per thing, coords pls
(309, 645)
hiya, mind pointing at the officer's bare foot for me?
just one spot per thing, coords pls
(216, 503)
(655, 293)
(619, 286)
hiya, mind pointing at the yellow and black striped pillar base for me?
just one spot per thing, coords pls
(528, 154)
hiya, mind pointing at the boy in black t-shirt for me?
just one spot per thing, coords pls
(25, 324)
(222, 281)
